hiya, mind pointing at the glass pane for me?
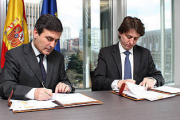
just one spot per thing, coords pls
(95, 33)
(85, 32)
(149, 13)
(100, 28)
(32, 8)
(71, 45)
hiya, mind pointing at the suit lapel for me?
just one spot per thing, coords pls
(32, 61)
(136, 61)
(117, 58)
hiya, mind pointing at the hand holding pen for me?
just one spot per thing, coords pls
(43, 93)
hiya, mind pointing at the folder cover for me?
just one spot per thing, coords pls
(137, 92)
(58, 101)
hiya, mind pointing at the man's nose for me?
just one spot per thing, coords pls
(131, 41)
(53, 43)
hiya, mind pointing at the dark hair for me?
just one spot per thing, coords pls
(49, 22)
(132, 23)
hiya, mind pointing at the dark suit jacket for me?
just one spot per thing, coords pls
(109, 67)
(21, 72)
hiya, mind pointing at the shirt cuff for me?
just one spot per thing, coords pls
(114, 85)
(30, 94)
(155, 81)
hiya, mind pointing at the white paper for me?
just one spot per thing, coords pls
(167, 89)
(18, 105)
(76, 99)
(72, 98)
(139, 92)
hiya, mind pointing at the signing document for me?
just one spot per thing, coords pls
(139, 92)
(59, 100)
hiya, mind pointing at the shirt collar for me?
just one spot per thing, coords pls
(36, 51)
(122, 50)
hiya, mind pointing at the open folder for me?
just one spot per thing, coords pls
(58, 101)
(137, 92)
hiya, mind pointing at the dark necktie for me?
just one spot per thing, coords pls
(127, 67)
(41, 56)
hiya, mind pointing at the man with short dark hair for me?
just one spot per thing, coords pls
(35, 70)
(126, 61)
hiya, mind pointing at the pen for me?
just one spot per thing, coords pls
(43, 84)
(45, 87)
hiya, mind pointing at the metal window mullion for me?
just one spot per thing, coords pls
(119, 12)
(162, 14)
(86, 32)
(172, 40)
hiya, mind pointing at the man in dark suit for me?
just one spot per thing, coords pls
(115, 68)
(22, 69)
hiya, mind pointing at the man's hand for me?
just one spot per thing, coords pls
(62, 88)
(43, 94)
(124, 81)
(147, 83)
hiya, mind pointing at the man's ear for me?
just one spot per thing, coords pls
(35, 32)
(120, 33)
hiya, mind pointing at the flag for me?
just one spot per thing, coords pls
(15, 29)
(50, 7)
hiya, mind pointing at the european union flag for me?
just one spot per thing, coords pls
(50, 7)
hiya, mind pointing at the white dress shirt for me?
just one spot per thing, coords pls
(123, 56)
(30, 94)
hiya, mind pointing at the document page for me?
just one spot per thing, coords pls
(129, 93)
(64, 99)
(167, 89)
(72, 98)
(19, 105)
(140, 92)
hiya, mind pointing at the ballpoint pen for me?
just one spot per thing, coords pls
(45, 87)
(43, 84)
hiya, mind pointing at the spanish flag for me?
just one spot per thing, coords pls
(15, 29)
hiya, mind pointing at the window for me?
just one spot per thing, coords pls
(156, 15)
(86, 29)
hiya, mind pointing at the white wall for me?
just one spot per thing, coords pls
(177, 42)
